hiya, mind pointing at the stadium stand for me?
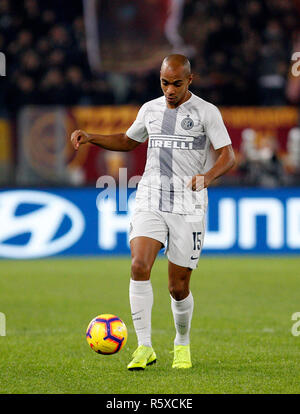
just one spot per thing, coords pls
(242, 54)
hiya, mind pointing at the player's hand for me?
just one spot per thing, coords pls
(79, 137)
(198, 182)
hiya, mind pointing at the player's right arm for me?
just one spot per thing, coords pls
(127, 141)
(114, 142)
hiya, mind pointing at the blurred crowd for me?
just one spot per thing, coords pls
(45, 51)
(240, 52)
(45, 48)
(243, 49)
(261, 163)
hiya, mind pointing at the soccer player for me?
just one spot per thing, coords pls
(171, 199)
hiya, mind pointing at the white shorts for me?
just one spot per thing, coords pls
(182, 235)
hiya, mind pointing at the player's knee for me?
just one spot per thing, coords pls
(140, 270)
(178, 291)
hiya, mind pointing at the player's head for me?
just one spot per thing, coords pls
(175, 78)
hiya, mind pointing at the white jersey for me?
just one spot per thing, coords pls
(179, 147)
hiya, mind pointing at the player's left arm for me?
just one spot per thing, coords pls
(224, 162)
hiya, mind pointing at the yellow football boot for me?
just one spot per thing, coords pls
(182, 356)
(142, 356)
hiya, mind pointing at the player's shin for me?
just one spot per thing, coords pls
(141, 301)
(182, 313)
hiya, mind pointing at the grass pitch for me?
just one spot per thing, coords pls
(241, 338)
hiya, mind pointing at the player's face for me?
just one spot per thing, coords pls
(175, 84)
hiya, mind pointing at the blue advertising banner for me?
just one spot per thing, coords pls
(38, 223)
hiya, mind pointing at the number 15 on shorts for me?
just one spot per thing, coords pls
(197, 240)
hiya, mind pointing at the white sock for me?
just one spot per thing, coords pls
(182, 314)
(141, 301)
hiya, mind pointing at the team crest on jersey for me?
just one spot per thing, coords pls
(187, 123)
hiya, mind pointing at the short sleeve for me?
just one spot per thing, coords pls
(215, 128)
(138, 130)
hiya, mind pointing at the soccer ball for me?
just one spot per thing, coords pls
(106, 334)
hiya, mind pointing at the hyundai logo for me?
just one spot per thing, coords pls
(37, 224)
